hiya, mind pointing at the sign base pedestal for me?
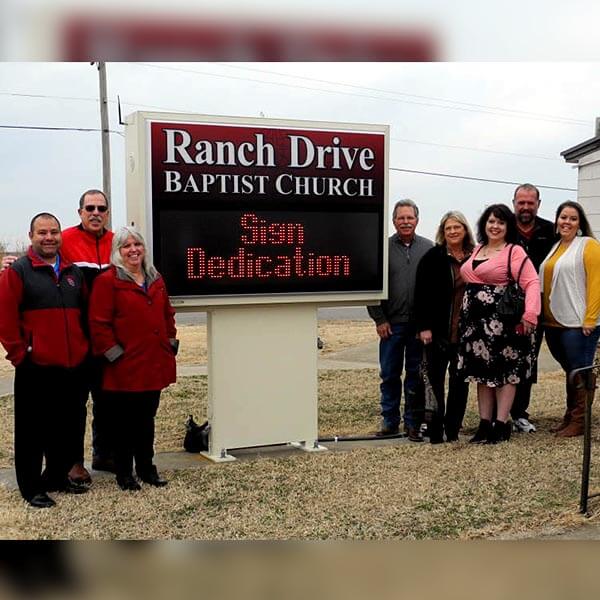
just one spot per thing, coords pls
(262, 378)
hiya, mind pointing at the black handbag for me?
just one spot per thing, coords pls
(511, 304)
(196, 436)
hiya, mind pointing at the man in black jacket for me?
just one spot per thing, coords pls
(537, 236)
(42, 303)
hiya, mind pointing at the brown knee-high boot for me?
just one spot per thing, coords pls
(580, 393)
(570, 405)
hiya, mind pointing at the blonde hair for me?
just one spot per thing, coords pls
(468, 241)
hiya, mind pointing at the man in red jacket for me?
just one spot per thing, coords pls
(88, 245)
(42, 300)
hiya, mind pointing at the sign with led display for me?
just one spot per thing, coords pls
(262, 207)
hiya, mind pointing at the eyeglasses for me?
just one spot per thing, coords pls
(92, 207)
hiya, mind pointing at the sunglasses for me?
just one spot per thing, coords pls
(91, 207)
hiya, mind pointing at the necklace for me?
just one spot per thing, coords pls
(459, 255)
(486, 251)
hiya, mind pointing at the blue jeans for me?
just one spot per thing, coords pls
(400, 346)
(570, 348)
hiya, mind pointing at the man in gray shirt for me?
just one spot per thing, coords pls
(399, 346)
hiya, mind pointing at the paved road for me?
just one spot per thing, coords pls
(348, 313)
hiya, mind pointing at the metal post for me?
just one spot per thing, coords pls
(106, 187)
(587, 452)
(588, 377)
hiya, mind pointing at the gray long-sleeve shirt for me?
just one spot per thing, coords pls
(402, 273)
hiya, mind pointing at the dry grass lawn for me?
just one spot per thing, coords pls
(340, 335)
(404, 491)
(412, 491)
(6, 369)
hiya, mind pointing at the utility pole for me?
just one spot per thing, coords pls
(105, 137)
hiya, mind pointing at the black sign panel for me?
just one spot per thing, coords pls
(254, 210)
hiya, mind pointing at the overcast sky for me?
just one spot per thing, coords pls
(502, 121)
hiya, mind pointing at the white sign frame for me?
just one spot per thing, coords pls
(139, 198)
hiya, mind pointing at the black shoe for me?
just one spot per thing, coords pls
(41, 501)
(385, 431)
(74, 487)
(67, 486)
(482, 433)
(414, 434)
(128, 482)
(103, 464)
(152, 477)
(436, 433)
(500, 432)
(451, 435)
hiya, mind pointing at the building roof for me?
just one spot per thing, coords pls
(576, 152)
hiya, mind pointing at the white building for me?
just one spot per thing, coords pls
(587, 157)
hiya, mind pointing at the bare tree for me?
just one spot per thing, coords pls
(21, 248)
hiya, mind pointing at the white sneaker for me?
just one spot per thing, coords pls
(523, 425)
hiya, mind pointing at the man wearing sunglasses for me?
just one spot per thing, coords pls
(88, 245)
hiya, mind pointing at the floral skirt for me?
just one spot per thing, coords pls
(490, 350)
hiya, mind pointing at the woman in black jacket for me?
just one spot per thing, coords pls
(438, 298)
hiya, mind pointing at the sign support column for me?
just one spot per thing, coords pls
(262, 374)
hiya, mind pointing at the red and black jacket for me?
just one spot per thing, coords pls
(86, 250)
(42, 315)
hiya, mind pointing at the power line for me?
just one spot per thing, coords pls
(44, 96)
(547, 187)
(94, 129)
(370, 97)
(84, 99)
(44, 128)
(457, 147)
(544, 116)
(166, 108)
(374, 89)
(169, 109)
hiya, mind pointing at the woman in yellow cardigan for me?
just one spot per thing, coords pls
(570, 282)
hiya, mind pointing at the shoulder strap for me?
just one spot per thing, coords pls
(510, 277)
(521, 267)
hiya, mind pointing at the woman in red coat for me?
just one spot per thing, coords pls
(132, 324)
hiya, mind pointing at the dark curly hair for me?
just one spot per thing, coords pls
(502, 213)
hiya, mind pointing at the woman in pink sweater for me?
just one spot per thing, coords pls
(495, 351)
